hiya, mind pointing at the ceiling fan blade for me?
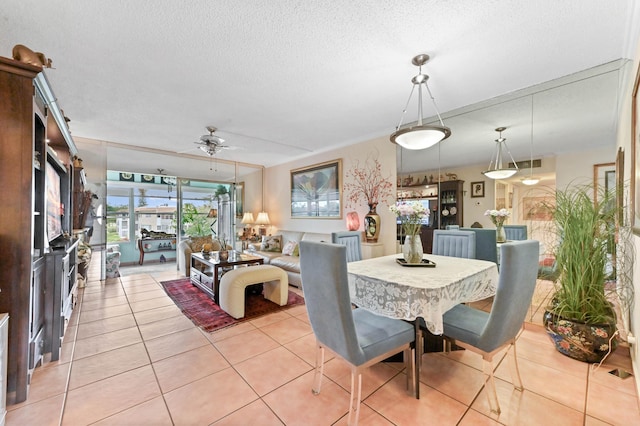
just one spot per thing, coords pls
(188, 150)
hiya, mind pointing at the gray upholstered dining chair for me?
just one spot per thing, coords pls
(450, 227)
(486, 248)
(487, 333)
(515, 232)
(454, 243)
(358, 336)
(352, 240)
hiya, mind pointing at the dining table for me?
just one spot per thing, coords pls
(388, 286)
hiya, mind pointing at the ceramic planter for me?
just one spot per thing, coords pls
(581, 341)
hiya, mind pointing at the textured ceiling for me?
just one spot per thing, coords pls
(284, 79)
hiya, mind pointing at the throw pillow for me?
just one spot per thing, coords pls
(289, 248)
(296, 251)
(271, 243)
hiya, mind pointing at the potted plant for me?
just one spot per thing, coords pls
(581, 319)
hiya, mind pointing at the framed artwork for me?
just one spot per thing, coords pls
(316, 191)
(604, 179)
(620, 190)
(477, 189)
(538, 208)
(635, 152)
(239, 199)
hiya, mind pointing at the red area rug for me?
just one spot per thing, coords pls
(206, 314)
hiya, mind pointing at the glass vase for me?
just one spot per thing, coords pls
(412, 249)
(501, 236)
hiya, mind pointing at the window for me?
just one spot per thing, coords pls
(117, 217)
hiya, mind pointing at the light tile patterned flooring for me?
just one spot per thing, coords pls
(131, 358)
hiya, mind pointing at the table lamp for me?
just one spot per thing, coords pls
(263, 221)
(247, 221)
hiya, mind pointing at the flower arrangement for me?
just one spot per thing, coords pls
(367, 184)
(498, 216)
(410, 215)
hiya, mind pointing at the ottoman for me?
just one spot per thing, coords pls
(234, 282)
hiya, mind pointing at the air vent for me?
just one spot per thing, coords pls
(525, 164)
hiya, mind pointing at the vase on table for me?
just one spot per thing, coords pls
(372, 224)
(412, 249)
(501, 236)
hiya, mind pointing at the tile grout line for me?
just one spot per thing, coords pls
(73, 350)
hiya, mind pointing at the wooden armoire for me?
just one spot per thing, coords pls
(37, 271)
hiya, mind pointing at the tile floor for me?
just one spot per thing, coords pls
(131, 358)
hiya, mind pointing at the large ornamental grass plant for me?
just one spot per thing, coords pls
(584, 254)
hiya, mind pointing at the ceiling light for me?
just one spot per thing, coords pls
(209, 150)
(420, 136)
(531, 180)
(496, 171)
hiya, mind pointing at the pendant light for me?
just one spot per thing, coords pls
(496, 171)
(420, 136)
(531, 180)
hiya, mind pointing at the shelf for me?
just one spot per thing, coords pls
(159, 250)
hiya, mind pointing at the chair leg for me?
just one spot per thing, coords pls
(356, 396)
(317, 378)
(513, 366)
(492, 395)
(410, 367)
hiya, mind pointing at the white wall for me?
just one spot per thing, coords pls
(278, 195)
(577, 167)
(94, 161)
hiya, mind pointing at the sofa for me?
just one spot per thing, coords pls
(281, 250)
(191, 245)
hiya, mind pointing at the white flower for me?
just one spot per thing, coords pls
(410, 215)
(498, 213)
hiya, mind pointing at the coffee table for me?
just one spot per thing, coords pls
(207, 271)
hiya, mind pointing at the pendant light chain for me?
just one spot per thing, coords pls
(531, 180)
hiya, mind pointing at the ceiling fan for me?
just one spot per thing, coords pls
(210, 144)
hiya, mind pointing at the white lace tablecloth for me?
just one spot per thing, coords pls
(383, 286)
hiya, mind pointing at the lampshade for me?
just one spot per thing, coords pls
(213, 213)
(353, 221)
(420, 136)
(496, 170)
(247, 218)
(263, 219)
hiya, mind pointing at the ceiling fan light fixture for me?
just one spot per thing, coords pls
(208, 149)
(420, 136)
(496, 171)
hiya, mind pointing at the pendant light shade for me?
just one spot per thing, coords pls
(530, 180)
(496, 169)
(420, 136)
